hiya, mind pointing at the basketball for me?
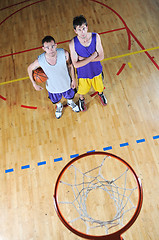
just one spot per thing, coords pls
(39, 75)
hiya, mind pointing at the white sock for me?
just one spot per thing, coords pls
(59, 104)
(69, 101)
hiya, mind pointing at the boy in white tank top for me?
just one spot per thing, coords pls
(57, 65)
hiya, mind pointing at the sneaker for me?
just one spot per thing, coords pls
(82, 105)
(58, 112)
(74, 107)
(102, 99)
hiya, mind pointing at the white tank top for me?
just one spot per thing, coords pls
(58, 77)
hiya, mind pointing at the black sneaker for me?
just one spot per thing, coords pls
(102, 99)
(82, 105)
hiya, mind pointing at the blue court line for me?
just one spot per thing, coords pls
(107, 148)
(91, 151)
(58, 159)
(74, 155)
(140, 140)
(9, 170)
(124, 144)
(25, 167)
(156, 137)
(41, 163)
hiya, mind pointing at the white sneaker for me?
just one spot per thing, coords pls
(58, 112)
(74, 107)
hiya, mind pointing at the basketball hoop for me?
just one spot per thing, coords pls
(98, 195)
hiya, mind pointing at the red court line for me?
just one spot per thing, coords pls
(24, 106)
(32, 49)
(20, 10)
(121, 69)
(142, 47)
(129, 33)
(63, 42)
(126, 27)
(129, 40)
(14, 5)
(95, 93)
(114, 30)
(28, 50)
(3, 98)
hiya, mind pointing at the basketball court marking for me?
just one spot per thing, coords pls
(41, 163)
(132, 53)
(15, 80)
(9, 170)
(29, 107)
(142, 140)
(25, 167)
(121, 69)
(129, 64)
(58, 159)
(124, 144)
(14, 5)
(115, 57)
(74, 155)
(107, 148)
(106, 59)
(156, 137)
(32, 49)
(20, 10)
(23, 106)
(91, 151)
(3, 98)
(129, 33)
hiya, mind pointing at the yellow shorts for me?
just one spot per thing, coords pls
(84, 84)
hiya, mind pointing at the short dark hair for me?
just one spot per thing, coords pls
(48, 39)
(79, 20)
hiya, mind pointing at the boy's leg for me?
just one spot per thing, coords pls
(83, 88)
(97, 83)
(59, 108)
(102, 98)
(73, 105)
(82, 104)
(55, 99)
(69, 95)
(81, 97)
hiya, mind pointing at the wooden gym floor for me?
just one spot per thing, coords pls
(34, 145)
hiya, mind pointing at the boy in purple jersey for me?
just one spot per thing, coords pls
(86, 53)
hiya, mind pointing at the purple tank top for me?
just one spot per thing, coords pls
(91, 69)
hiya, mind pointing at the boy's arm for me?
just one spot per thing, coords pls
(30, 69)
(76, 60)
(70, 69)
(99, 49)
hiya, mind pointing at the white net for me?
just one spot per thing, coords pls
(98, 201)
